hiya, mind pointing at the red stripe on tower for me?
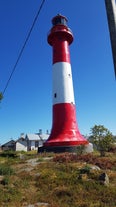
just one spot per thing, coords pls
(65, 133)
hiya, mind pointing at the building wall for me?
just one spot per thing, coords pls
(35, 144)
(21, 145)
(9, 146)
(32, 145)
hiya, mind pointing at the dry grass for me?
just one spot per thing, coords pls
(56, 181)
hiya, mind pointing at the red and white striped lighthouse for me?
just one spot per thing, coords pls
(65, 135)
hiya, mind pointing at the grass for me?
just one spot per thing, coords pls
(64, 181)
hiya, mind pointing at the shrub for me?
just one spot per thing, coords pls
(65, 157)
(8, 154)
(85, 170)
(102, 162)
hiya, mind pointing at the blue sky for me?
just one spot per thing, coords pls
(27, 103)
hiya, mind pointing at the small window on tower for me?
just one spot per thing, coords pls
(55, 95)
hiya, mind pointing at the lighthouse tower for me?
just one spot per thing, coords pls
(65, 135)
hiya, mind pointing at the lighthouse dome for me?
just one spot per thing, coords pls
(59, 19)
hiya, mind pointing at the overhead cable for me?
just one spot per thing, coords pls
(23, 47)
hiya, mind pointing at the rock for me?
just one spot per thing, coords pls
(38, 205)
(33, 162)
(88, 148)
(37, 175)
(104, 179)
(94, 167)
(22, 156)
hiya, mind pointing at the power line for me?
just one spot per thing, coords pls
(111, 17)
(23, 47)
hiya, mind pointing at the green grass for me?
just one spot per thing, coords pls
(57, 181)
(6, 170)
(60, 184)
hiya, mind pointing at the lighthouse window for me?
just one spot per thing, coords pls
(55, 95)
(59, 20)
(63, 21)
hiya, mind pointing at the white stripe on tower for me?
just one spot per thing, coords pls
(62, 83)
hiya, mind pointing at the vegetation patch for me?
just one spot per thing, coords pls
(65, 180)
(102, 162)
(6, 170)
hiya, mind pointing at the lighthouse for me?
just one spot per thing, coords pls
(65, 135)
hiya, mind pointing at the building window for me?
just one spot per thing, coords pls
(36, 143)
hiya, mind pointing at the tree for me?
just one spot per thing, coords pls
(102, 138)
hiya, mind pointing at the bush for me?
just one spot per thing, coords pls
(102, 162)
(9, 154)
(102, 138)
(85, 170)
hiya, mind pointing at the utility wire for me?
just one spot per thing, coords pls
(111, 18)
(23, 47)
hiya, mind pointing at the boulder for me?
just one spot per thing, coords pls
(94, 168)
(38, 205)
(104, 179)
(88, 148)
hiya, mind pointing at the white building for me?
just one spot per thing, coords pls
(21, 144)
(30, 142)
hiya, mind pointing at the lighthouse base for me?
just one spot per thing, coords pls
(59, 149)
